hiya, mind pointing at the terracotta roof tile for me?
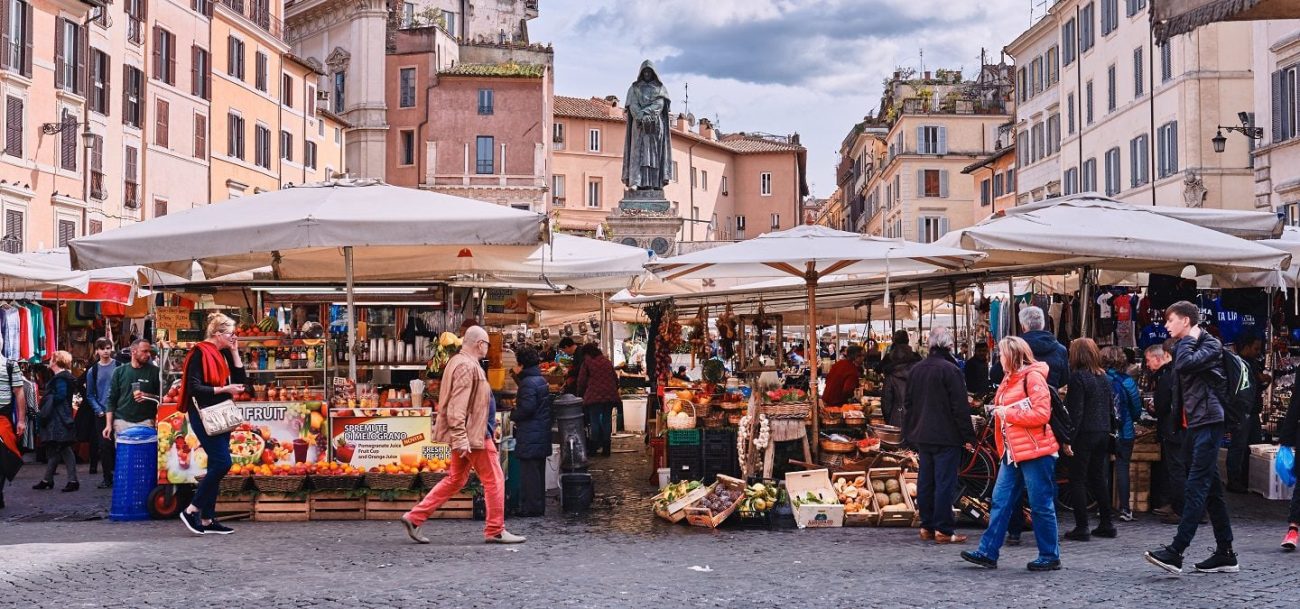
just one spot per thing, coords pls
(752, 145)
(580, 107)
(508, 69)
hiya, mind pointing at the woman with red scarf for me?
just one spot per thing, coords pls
(212, 373)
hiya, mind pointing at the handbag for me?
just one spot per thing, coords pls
(222, 417)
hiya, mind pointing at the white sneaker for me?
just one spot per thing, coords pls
(1126, 516)
(413, 531)
(506, 537)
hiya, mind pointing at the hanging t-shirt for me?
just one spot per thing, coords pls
(1123, 307)
(1146, 312)
(1124, 334)
(1229, 322)
(1103, 305)
(1152, 334)
(995, 319)
(51, 332)
(12, 332)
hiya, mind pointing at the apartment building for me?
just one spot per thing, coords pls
(727, 186)
(1277, 110)
(172, 117)
(1099, 108)
(994, 178)
(937, 124)
(497, 22)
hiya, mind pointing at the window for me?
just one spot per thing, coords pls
(67, 231)
(97, 167)
(1086, 24)
(1139, 160)
(310, 102)
(704, 180)
(408, 14)
(164, 55)
(1284, 104)
(340, 87)
(200, 73)
(933, 140)
(1022, 85)
(1038, 144)
(557, 190)
(1167, 149)
(132, 85)
(740, 228)
(1166, 62)
(1053, 66)
(999, 186)
(593, 140)
(674, 171)
(1111, 85)
(17, 54)
(932, 182)
(1053, 134)
(68, 138)
(1134, 6)
(725, 190)
(235, 57)
(557, 135)
(765, 183)
(200, 136)
(131, 177)
(486, 101)
(1068, 42)
(407, 153)
(1069, 113)
(262, 147)
(286, 90)
(1011, 179)
(96, 227)
(1137, 72)
(69, 62)
(202, 7)
(1071, 180)
(1109, 16)
(159, 208)
(1112, 171)
(776, 221)
(309, 154)
(99, 66)
(449, 18)
(1022, 148)
(484, 155)
(986, 192)
(338, 136)
(162, 118)
(259, 76)
(1089, 176)
(1088, 101)
(135, 20)
(235, 136)
(286, 146)
(1038, 75)
(14, 229)
(930, 228)
(406, 87)
(593, 193)
(694, 174)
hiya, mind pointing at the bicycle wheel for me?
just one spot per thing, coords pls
(977, 478)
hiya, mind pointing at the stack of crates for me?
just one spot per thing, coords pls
(684, 458)
(718, 454)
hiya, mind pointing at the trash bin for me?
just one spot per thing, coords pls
(135, 473)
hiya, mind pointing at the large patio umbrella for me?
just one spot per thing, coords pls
(366, 229)
(811, 252)
(117, 284)
(20, 273)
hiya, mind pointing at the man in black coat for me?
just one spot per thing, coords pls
(1169, 431)
(938, 425)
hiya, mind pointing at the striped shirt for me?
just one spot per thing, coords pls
(7, 389)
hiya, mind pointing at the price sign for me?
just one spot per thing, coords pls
(172, 318)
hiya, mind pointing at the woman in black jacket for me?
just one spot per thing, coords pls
(1289, 435)
(1090, 405)
(212, 373)
(55, 423)
(532, 419)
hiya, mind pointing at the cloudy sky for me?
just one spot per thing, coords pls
(814, 67)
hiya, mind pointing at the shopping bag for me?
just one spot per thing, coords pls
(1284, 465)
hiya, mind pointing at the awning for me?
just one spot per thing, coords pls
(1173, 17)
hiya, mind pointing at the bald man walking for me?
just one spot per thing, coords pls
(466, 420)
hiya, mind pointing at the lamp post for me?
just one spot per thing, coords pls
(1247, 129)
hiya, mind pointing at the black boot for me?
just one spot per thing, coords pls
(43, 485)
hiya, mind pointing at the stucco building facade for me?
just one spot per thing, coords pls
(1277, 158)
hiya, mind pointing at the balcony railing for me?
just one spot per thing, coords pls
(259, 13)
(97, 185)
(129, 196)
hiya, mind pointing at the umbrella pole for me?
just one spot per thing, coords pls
(1085, 295)
(814, 396)
(352, 313)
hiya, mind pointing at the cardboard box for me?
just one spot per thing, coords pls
(814, 515)
(1263, 478)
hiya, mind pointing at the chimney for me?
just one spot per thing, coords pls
(927, 75)
(706, 129)
(681, 123)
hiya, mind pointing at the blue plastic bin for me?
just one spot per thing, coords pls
(135, 473)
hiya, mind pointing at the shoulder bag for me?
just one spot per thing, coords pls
(219, 418)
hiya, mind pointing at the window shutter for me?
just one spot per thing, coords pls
(161, 136)
(14, 126)
(27, 44)
(1133, 162)
(97, 154)
(943, 226)
(157, 52)
(1277, 106)
(230, 55)
(231, 127)
(920, 231)
(58, 52)
(1173, 147)
(921, 145)
(172, 50)
(194, 69)
(126, 97)
(4, 34)
(68, 142)
(207, 71)
(943, 183)
(943, 140)
(1137, 72)
(82, 73)
(106, 75)
(200, 136)
(920, 183)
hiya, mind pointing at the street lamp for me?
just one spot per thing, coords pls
(1247, 129)
(87, 138)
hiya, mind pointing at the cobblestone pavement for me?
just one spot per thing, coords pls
(617, 556)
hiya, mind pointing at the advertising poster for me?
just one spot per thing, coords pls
(370, 441)
(282, 433)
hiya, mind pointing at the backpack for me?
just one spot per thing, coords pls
(1060, 423)
(1238, 389)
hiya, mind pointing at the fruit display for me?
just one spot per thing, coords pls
(433, 465)
(675, 491)
(855, 494)
(893, 496)
(759, 498)
(720, 499)
(811, 498)
(333, 468)
(280, 469)
(448, 345)
(785, 396)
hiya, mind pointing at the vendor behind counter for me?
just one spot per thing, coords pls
(842, 381)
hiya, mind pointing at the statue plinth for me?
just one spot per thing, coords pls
(644, 219)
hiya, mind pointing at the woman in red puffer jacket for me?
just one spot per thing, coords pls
(1027, 450)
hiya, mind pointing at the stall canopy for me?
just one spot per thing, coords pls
(26, 273)
(117, 284)
(1173, 17)
(300, 232)
(567, 261)
(1091, 230)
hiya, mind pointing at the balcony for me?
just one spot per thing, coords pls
(130, 196)
(258, 12)
(97, 185)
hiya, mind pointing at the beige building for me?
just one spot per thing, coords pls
(1100, 109)
(937, 125)
(726, 186)
(1277, 110)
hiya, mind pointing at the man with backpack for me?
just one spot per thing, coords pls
(1200, 390)
(1244, 390)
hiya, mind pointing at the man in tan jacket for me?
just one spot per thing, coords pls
(464, 420)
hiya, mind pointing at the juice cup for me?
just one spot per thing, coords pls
(300, 450)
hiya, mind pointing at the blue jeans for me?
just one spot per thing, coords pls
(598, 422)
(1038, 476)
(1123, 459)
(936, 486)
(218, 449)
(1204, 489)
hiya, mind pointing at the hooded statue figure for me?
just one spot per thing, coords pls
(648, 155)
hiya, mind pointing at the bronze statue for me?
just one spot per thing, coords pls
(647, 152)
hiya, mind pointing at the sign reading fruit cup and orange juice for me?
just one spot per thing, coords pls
(275, 433)
(370, 437)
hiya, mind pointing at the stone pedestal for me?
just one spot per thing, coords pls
(644, 219)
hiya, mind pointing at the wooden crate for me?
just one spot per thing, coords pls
(336, 505)
(868, 518)
(895, 518)
(279, 507)
(703, 517)
(235, 506)
(676, 511)
(459, 507)
(1146, 452)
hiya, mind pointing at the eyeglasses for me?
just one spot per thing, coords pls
(483, 342)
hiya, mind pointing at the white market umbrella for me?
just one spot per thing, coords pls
(365, 229)
(1092, 230)
(576, 262)
(19, 273)
(811, 252)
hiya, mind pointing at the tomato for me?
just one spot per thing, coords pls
(268, 456)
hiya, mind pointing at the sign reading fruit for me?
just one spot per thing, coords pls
(370, 441)
(275, 433)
